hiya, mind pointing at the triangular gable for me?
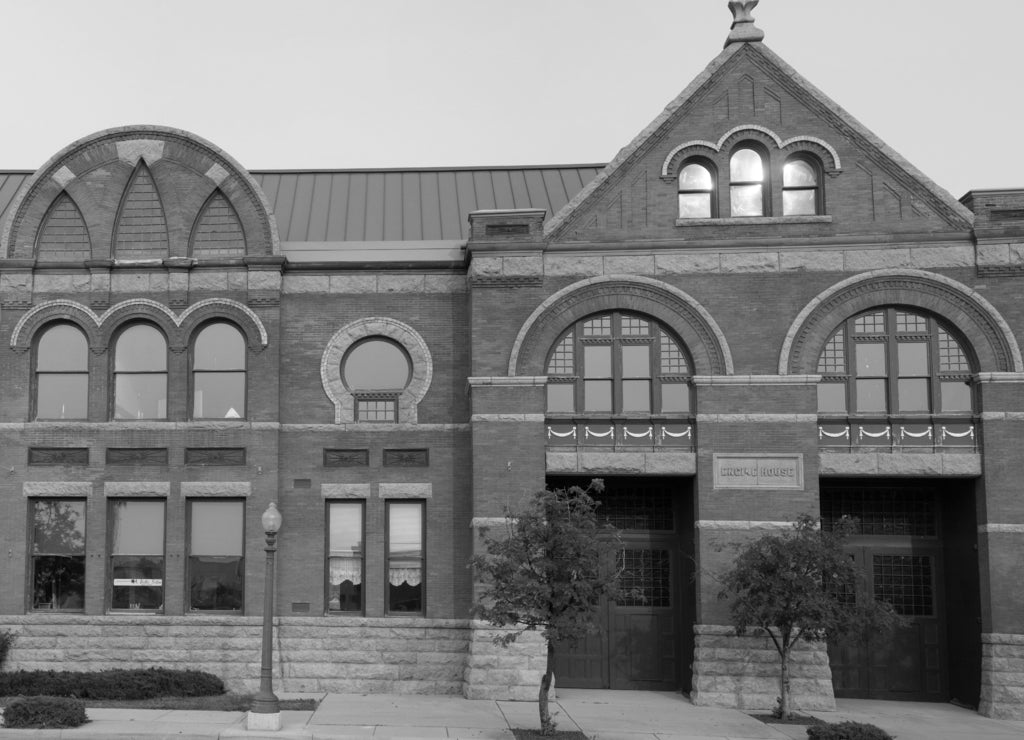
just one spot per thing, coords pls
(922, 192)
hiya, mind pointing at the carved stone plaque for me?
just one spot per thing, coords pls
(759, 471)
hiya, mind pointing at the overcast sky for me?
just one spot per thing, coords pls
(324, 84)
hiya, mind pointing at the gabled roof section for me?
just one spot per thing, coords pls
(941, 201)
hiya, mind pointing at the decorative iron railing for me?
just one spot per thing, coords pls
(899, 434)
(621, 433)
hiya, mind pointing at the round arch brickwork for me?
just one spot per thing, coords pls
(376, 326)
(985, 330)
(669, 305)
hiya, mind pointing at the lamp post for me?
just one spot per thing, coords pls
(265, 713)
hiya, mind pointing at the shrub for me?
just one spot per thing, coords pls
(143, 683)
(6, 640)
(847, 731)
(45, 711)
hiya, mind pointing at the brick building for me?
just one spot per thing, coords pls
(757, 309)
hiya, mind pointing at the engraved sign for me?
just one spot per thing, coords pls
(759, 471)
(138, 582)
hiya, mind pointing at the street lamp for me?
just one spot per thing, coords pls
(265, 713)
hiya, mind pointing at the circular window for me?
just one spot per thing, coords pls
(376, 364)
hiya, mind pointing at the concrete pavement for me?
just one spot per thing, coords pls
(603, 715)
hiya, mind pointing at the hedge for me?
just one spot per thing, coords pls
(45, 712)
(847, 731)
(145, 683)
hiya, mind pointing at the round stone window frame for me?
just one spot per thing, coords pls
(377, 326)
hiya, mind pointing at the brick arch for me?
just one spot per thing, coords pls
(221, 309)
(672, 307)
(985, 330)
(50, 312)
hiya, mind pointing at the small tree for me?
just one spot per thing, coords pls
(549, 572)
(801, 585)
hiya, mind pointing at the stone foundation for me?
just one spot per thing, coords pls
(1002, 676)
(510, 673)
(364, 655)
(743, 672)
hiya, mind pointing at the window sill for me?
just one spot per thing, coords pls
(754, 220)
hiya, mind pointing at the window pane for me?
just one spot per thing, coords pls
(597, 361)
(871, 395)
(62, 347)
(695, 205)
(215, 583)
(561, 397)
(219, 347)
(62, 396)
(956, 396)
(376, 364)
(138, 528)
(137, 582)
(58, 582)
(219, 396)
(140, 348)
(798, 173)
(217, 527)
(675, 397)
(405, 557)
(831, 398)
(870, 359)
(695, 177)
(345, 560)
(597, 395)
(636, 361)
(346, 523)
(745, 166)
(636, 395)
(913, 358)
(746, 200)
(384, 411)
(58, 527)
(405, 529)
(912, 394)
(799, 202)
(140, 396)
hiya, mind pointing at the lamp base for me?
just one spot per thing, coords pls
(260, 721)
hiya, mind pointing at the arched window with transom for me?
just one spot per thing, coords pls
(894, 362)
(618, 363)
(697, 190)
(747, 188)
(62, 373)
(140, 373)
(218, 372)
(375, 371)
(801, 186)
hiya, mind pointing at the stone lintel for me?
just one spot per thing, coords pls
(650, 463)
(960, 465)
(227, 489)
(756, 379)
(405, 490)
(137, 488)
(56, 488)
(345, 490)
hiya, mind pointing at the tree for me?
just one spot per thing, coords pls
(801, 585)
(549, 572)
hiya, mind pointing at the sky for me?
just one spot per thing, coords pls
(326, 84)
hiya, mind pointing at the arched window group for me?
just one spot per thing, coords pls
(139, 374)
(750, 184)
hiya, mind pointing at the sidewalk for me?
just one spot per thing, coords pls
(604, 715)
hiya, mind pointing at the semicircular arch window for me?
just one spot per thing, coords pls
(218, 372)
(376, 370)
(62, 373)
(140, 373)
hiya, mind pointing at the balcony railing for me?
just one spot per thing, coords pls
(677, 434)
(895, 434)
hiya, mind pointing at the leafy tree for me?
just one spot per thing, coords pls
(548, 572)
(801, 585)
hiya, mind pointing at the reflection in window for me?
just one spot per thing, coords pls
(345, 556)
(801, 194)
(140, 374)
(902, 362)
(58, 554)
(405, 556)
(62, 373)
(696, 191)
(376, 371)
(746, 183)
(216, 563)
(218, 373)
(618, 363)
(137, 554)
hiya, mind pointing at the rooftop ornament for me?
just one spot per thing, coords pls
(743, 28)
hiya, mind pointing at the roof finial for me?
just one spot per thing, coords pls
(743, 28)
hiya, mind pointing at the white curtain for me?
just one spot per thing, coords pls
(346, 569)
(398, 576)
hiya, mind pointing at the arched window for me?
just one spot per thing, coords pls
(893, 361)
(62, 373)
(746, 183)
(801, 187)
(618, 363)
(140, 373)
(376, 370)
(696, 190)
(218, 373)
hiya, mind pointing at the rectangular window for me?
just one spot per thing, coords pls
(405, 557)
(345, 556)
(58, 554)
(377, 410)
(216, 562)
(137, 554)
